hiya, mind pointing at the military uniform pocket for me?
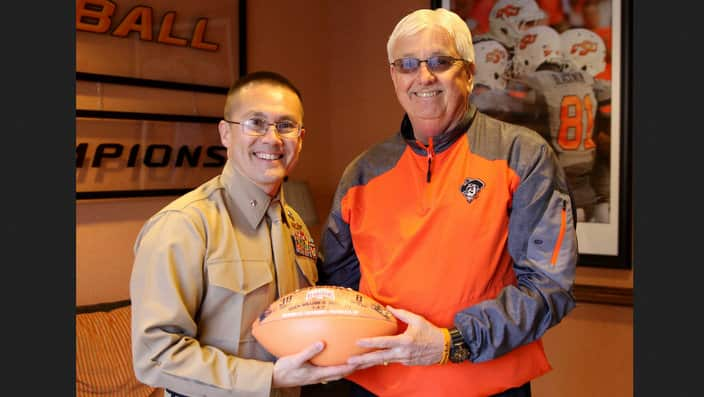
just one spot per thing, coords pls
(241, 276)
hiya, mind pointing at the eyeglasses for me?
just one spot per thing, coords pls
(258, 127)
(438, 63)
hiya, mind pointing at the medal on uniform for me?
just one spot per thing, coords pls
(302, 243)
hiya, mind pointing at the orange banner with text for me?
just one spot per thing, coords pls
(180, 41)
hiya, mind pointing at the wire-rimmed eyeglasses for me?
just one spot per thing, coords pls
(438, 63)
(258, 127)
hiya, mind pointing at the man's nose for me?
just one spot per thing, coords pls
(425, 74)
(272, 133)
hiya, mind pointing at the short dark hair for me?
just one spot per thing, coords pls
(264, 76)
(261, 76)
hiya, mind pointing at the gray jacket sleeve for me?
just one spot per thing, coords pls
(339, 264)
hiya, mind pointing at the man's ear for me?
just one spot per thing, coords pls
(394, 74)
(224, 130)
(471, 69)
(300, 139)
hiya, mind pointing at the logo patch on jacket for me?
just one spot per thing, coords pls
(470, 188)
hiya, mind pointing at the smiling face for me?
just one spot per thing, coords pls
(434, 101)
(265, 159)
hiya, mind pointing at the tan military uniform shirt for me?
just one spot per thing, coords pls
(203, 272)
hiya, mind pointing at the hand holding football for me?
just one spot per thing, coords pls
(338, 316)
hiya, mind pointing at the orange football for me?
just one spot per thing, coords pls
(336, 315)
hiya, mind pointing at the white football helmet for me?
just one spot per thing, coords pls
(537, 45)
(509, 18)
(584, 49)
(491, 61)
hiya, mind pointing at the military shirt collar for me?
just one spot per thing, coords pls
(249, 198)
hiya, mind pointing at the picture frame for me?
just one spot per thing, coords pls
(132, 55)
(126, 155)
(127, 42)
(607, 242)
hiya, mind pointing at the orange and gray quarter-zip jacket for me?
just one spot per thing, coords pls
(474, 230)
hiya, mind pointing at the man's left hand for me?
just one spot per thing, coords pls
(421, 344)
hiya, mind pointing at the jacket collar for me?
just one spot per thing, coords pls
(442, 141)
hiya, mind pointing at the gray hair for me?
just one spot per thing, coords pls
(424, 19)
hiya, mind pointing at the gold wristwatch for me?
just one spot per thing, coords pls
(459, 350)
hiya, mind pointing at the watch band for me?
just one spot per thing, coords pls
(446, 346)
(459, 350)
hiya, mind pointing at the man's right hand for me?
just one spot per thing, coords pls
(296, 370)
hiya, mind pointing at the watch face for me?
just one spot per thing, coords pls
(459, 353)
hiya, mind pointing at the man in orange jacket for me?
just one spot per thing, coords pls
(461, 224)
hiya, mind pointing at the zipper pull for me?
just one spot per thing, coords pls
(430, 153)
(427, 175)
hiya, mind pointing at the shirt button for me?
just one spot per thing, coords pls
(252, 203)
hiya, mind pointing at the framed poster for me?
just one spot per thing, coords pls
(604, 224)
(151, 79)
(195, 46)
(122, 155)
